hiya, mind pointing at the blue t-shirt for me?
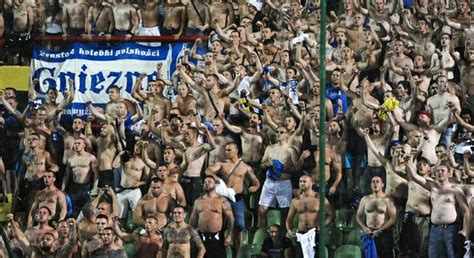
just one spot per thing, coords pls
(334, 94)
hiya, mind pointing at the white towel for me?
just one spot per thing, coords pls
(223, 190)
(307, 241)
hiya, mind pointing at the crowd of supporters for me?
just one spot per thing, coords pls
(222, 158)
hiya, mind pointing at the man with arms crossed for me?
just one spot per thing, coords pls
(177, 237)
(446, 198)
(306, 207)
(376, 215)
(208, 216)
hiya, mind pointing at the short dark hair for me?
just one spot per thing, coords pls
(102, 216)
(48, 209)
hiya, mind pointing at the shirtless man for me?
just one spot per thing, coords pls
(74, 18)
(23, 22)
(154, 203)
(209, 214)
(376, 215)
(399, 59)
(80, 174)
(214, 97)
(221, 140)
(37, 162)
(147, 245)
(439, 108)
(446, 200)
(185, 102)
(416, 222)
(170, 186)
(223, 12)
(109, 248)
(432, 133)
(106, 150)
(233, 172)
(279, 159)
(169, 158)
(100, 21)
(199, 17)
(397, 184)
(126, 19)
(196, 155)
(94, 242)
(306, 207)
(50, 197)
(252, 140)
(174, 21)
(154, 99)
(150, 20)
(77, 132)
(177, 237)
(135, 174)
(34, 234)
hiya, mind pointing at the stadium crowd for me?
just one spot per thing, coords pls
(222, 159)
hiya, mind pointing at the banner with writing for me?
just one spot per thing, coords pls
(95, 67)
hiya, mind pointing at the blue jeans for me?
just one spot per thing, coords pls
(446, 136)
(238, 208)
(441, 243)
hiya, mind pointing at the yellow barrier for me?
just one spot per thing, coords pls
(17, 77)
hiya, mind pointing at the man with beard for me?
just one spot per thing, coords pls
(109, 249)
(154, 203)
(209, 215)
(147, 245)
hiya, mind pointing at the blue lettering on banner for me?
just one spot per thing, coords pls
(94, 68)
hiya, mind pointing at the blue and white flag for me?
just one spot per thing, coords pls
(95, 67)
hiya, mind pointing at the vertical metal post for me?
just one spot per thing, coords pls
(322, 132)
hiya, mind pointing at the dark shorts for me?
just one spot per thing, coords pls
(106, 178)
(79, 194)
(414, 235)
(192, 187)
(214, 244)
(75, 32)
(18, 44)
(385, 244)
(122, 32)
